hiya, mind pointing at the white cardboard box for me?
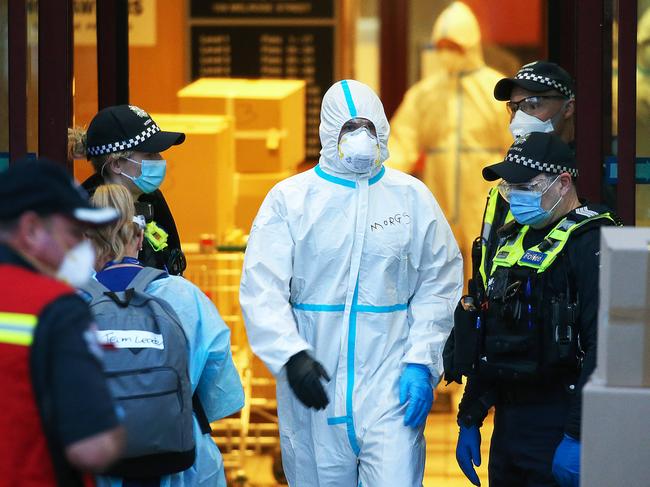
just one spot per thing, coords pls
(615, 436)
(624, 310)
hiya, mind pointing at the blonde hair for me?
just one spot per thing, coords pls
(110, 241)
(78, 149)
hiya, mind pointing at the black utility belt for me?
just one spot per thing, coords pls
(503, 350)
(523, 372)
(536, 393)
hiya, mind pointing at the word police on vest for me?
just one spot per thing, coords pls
(533, 257)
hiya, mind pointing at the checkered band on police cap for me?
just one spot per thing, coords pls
(541, 166)
(551, 83)
(122, 145)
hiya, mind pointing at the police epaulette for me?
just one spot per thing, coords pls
(591, 210)
(586, 211)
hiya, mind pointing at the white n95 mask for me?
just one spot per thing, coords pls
(359, 151)
(78, 264)
(523, 124)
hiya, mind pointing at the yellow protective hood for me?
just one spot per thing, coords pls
(458, 23)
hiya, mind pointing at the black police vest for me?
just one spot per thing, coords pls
(526, 330)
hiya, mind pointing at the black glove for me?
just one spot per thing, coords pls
(304, 375)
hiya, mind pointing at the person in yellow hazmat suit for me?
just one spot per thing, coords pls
(643, 85)
(643, 112)
(452, 120)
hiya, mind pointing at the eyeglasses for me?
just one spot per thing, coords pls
(538, 186)
(531, 103)
(357, 123)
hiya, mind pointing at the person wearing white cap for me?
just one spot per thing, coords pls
(350, 275)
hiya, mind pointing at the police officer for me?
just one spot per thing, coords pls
(54, 395)
(124, 143)
(526, 337)
(540, 98)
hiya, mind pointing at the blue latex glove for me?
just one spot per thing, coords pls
(468, 452)
(566, 462)
(415, 387)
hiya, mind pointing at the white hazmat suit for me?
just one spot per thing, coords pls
(362, 270)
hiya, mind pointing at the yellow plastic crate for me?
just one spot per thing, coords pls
(199, 183)
(269, 118)
(251, 189)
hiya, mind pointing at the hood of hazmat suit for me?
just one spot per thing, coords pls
(451, 120)
(458, 24)
(363, 271)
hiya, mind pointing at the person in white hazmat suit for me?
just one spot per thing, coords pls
(451, 119)
(351, 275)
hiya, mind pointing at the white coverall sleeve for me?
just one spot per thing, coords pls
(438, 289)
(264, 293)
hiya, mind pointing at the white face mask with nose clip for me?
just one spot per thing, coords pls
(359, 151)
(78, 264)
(523, 124)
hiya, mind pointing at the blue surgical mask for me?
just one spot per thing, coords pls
(526, 206)
(151, 176)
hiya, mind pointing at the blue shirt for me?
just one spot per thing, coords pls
(117, 276)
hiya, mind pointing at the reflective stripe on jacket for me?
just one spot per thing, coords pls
(24, 455)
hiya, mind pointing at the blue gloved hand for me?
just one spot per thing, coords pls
(468, 452)
(566, 462)
(415, 387)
